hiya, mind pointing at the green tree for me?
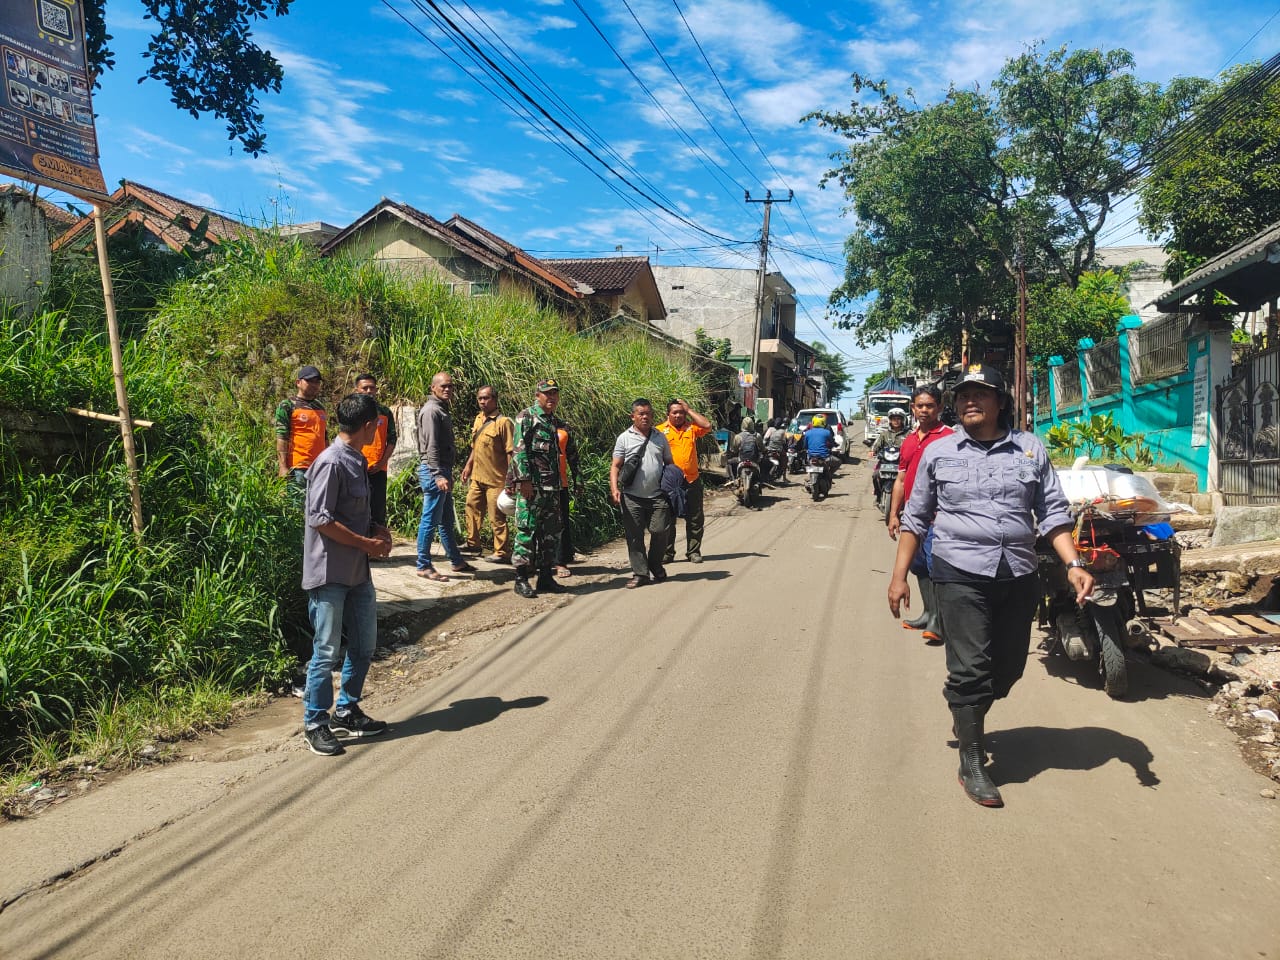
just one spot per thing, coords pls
(952, 198)
(1223, 187)
(205, 54)
(1059, 316)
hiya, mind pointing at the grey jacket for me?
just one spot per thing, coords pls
(436, 446)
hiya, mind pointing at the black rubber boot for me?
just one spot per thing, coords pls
(523, 587)
(547, 582)
(926, 605)
(973, 774)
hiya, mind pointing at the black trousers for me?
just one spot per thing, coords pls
(694, 522)
(378, 497)
(987, 627)
(642, 515)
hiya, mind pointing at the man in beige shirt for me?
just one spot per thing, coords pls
(492, 443)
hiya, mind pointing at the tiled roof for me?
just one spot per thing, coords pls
(602, 274)
(506, 249)
(168, 217)
(1248, 273)
(477, 243)
(59, 217)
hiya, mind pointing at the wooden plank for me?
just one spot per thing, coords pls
(1258, 624)
(1181, 632)
(1224, 643)
(1217, 623)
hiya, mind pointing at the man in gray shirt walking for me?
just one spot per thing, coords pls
(338, 540)
(635, 483)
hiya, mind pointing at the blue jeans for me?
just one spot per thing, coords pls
(332, 608)
(437, 515)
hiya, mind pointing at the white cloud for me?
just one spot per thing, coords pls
(784, 104)
(487, 184)
(465, 97)
(872, 57)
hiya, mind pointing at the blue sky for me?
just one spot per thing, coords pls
(370, 108)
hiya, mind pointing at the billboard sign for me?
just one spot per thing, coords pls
(46, 116)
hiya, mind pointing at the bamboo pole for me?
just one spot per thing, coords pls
(95, 415)
(117, 371)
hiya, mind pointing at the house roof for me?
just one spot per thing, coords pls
(509, 251)
(474, 241)
(60, 218)
(171, 219)
(1248, 273)
(603, 274)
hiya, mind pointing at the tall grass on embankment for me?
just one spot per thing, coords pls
(93, 623)
(269, 306)
(105, 642)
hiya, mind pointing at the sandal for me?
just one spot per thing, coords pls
(563, 571)
(636, 582)
(431, 573)
(463, 567)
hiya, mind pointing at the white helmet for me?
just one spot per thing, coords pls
(507, 503)
(898, 412)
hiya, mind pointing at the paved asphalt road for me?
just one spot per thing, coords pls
(751, 760)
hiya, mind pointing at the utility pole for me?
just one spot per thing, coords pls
(768, 202)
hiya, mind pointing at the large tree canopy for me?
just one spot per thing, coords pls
(952, 199)
(1224, 186)
(203, 51)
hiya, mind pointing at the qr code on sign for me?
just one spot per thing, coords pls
(55, 18)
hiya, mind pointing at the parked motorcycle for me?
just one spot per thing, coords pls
(883, 477)
(748, 483)
(1114, 511)
(817, 477)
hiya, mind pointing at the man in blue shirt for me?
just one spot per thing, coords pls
(819, 441)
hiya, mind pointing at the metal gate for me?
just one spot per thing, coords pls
(1248, 428)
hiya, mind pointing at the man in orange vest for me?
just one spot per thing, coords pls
(301, 431)
(682, 430)
(378, 453)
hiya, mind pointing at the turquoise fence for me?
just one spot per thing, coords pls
(1155, 379)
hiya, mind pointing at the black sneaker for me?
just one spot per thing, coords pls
(353, 722)
(322, 741)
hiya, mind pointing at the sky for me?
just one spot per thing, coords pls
(691, 103)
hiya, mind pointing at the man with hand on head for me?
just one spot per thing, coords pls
(682, 429)
(338, 540)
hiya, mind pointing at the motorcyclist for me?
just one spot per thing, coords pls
(744, 446)
(775, 445)
(894, 434)
(819, 441)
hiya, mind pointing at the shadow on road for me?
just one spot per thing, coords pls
(1019, 754)
(459, 715)
(1146, 681)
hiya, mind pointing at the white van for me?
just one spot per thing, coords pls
(835, 421)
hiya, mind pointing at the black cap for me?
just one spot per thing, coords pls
(983, 376)
(308, 373)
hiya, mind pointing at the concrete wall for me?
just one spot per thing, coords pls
(720, 300)
(1164, 411)
(24, 252)
(406, 249)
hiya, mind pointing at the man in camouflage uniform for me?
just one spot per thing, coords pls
(535, 469)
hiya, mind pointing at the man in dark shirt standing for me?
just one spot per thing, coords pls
(377, 453)
(338, 540)
(438, 452)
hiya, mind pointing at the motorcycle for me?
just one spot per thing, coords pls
(775, 465)
(883, 477)
(1113, 538)
(817, 477)
(748, 483)
(795, 458)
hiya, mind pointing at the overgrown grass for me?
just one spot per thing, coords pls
(106, 643)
